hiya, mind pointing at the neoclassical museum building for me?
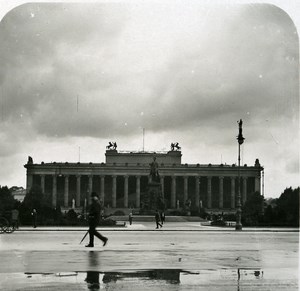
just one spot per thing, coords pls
(124, 177)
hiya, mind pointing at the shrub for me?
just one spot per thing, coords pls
(119, 213)
(107, 222)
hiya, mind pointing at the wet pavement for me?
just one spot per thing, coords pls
(177, 257)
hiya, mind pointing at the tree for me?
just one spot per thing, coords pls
(269, 215)
(288, 207)
(252, 209)
(7, 201)
(34, 198)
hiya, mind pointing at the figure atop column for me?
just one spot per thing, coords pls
(240, 137)
(257, 163)
(30, 160)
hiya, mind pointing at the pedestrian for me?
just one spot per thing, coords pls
(157, 219)
(15, 218)
(130, 218)
(34, 217)
(162, 217)
(94, 218)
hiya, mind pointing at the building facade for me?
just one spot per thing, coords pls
(123, 178)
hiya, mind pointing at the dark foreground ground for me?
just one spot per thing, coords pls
(177, 257)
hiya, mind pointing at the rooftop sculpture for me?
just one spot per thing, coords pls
(175, 146)
(111, 146)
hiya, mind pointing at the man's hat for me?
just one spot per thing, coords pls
(94, 194)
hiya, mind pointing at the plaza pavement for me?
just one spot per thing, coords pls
(168, 226)
(180, 256)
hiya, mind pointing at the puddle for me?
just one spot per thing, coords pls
(156, 279)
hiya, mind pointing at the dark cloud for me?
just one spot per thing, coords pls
(108, 70)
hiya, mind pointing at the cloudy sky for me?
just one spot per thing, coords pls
(75, 76)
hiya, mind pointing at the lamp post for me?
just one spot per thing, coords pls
(240, 140)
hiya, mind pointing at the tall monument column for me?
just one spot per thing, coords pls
(232, 197)
(54, 190)
(162, 183)
(66, 194)
(257, 184)
(244, 190)
(29, 182)
(102, 189)
(78, 186)
(185, 188)
(209, 192)
(90, 185)
(197, 190)
(114, 191)
(43, 183)
(173, 192)
(126, 191)
(221, 192)
(138, 191)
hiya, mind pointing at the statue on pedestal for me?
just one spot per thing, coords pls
(154, 170)
(153, 199)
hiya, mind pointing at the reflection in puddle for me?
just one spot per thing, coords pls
(92, 279)
(156, 279)
(258, 274)
(172, 275)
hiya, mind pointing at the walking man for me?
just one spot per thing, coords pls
(15, 218)
(157, 219)
(162, 217)
(130, 218)
(94, 218)
(34, 217)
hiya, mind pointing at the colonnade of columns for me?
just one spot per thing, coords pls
(196, 201)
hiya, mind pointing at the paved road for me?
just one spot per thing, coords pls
(151, 260)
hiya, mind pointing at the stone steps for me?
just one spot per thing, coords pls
(150, 218)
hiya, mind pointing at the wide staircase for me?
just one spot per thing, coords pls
(150, 218)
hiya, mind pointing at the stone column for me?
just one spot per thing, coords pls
(257, 184)
(78, 190)
(221, 192)
(126, 191)
(173, 192)
(197, 190)
(114, 191)
(90, 186)
(54, 190)
(162, 183)
(244, 190)
(138, 191)
(102, 189)
(209, 192)
(43, 183)
(185, 188)
(29, 182)
(66, 194)
(232, 197)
